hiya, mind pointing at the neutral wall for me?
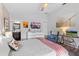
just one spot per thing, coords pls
(64, 12)
(6, 16)
(33, 17)
(1, 18)
(3, 13)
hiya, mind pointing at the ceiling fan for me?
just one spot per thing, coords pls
(44, 6)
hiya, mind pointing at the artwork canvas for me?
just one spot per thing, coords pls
(62, 23)
(6, 24)
(35, 25)
(16, 26)
(71, 33)
(25, 24)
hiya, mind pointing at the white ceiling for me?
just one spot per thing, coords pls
(23, 9)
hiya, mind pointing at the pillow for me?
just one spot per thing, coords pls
(14, 45)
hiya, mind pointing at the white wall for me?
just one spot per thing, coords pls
(33, 17)
(6, 16)
(3, 13)
(63, 12)
(1, 17)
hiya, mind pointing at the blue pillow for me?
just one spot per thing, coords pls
(52, 37)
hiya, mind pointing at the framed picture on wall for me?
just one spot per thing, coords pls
(6, 24)
(16, 26)
(35, 25)
(25, 24)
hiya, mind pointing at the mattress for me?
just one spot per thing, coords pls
(33, 47)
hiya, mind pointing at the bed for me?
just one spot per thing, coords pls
(39, 47)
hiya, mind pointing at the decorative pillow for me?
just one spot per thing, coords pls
(14, 45)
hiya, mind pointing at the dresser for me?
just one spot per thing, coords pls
(35, 34)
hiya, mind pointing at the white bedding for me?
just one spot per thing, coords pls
(33, 47)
